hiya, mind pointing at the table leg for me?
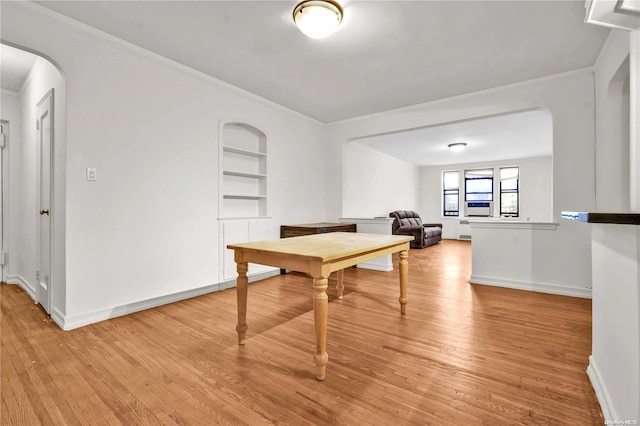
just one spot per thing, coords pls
(404, 272)
(340, 284)
(241, 293)
(320, 307)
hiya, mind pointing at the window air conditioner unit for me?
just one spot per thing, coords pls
(478, 208)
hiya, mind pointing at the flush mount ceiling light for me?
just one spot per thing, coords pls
(317, 18)
(458, 146)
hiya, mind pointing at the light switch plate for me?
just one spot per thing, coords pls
(92, 173)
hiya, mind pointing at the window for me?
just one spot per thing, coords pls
(451, 193)
(509, 191)
(479, 188)
(478, 185)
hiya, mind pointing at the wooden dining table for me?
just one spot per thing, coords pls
(318, 255)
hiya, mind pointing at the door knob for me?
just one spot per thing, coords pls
(44, 212)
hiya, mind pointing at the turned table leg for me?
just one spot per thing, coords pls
(404, 272)
(320, 307)
(340, 284)
(241, 293)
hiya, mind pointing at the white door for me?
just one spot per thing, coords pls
(45, 143)
(4, 130)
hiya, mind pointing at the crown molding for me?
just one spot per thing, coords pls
(632, 6)
(7, 92)
(78, 27)
(621, 14)
(580, 72)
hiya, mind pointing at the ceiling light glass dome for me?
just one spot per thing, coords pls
(317, 18)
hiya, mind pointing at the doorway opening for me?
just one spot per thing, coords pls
(32, 215)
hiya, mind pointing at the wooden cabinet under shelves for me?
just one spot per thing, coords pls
(243, 165)
(287, 231)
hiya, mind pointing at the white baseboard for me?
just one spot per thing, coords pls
(255, 277)
(57, 317)
(75, 321)
(602, 394)
(23, 283)
(531, 286)
(375, 267)
(383, 263)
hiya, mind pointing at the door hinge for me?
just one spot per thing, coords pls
(37, 124)
(37, 276)
(2, 138)
(3, 258)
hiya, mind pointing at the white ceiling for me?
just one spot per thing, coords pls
(386, 54)
(501, 137)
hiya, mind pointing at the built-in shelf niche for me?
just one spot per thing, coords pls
(243, 176)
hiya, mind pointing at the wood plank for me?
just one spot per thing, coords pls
(325, 247)
(463, 354)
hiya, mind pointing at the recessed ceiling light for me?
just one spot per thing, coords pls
(458, 146)
(317, 18)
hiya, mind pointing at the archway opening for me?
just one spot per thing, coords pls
(33, 169)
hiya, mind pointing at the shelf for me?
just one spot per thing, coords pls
(244, 151)
(243, 174)
(243, 171)
(241, 218)
(244, 197)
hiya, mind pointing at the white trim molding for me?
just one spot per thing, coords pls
(384, 264)
(80, 320)
(57, 317)
(527, 83)
(78, 27)
(511, 224)
(608, 412)
(621, 14)
(24, 284)
(562, 290)
(7, 92)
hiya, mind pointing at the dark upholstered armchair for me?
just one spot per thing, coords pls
(408, 222)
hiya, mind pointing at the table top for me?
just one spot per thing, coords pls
(325, 247)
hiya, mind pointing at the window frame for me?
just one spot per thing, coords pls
(450, 191)
(467, 179)
(510, 191)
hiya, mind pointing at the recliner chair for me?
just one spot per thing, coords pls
(408, 222)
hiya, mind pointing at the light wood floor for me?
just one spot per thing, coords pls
(463, 354)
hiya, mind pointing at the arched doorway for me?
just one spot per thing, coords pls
(33, 93)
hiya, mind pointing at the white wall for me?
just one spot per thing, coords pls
(376, 184)
(535, 191)
(611, 73)
(614, 365)
(634, 131)
(148, 226)
(10, 111)
(561, 257)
